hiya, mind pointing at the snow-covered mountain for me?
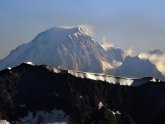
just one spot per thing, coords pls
(67, 48)
(72, 48)
(136, 67)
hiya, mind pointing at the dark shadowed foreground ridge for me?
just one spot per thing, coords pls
(37, 94)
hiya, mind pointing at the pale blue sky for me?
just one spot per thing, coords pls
(139, 24)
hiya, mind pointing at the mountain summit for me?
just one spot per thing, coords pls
(67, 48)
(72, 48)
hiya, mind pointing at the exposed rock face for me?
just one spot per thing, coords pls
(37, 89)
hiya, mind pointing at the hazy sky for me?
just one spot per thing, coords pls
(136, 24)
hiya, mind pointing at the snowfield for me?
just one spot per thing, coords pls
(106, 78)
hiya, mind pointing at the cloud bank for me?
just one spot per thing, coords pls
(129, 52)
(106, 44)
(157, 59)
(88, 29)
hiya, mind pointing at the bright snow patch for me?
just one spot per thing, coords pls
(4, 122)
(81, 97)
(116, 113)
(100, 105)
(9, 68)
(103, 77)
(153, 80)
(53, 69)
(113, 112)
(125, 81)
(29, 63)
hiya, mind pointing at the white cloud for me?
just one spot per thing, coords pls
(129, 52)
(157, 59)
(105, 43)
(88, 29)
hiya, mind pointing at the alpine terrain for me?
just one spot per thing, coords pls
(63, 76)
(67, 48)
(72, 48)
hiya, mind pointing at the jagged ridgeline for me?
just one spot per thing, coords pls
(31, 94)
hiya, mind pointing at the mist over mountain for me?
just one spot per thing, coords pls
(72, 48)
(67, 48)
(138, 68)
(157, 57)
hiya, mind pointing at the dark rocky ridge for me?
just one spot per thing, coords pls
(36, 87)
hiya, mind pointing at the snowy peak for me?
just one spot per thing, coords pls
(58, 34)
(73, 49)
(67, 47)
(64, 30)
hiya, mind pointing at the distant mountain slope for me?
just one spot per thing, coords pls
(116, 54)
(41, 94)
(72, 48)
(138, 68)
